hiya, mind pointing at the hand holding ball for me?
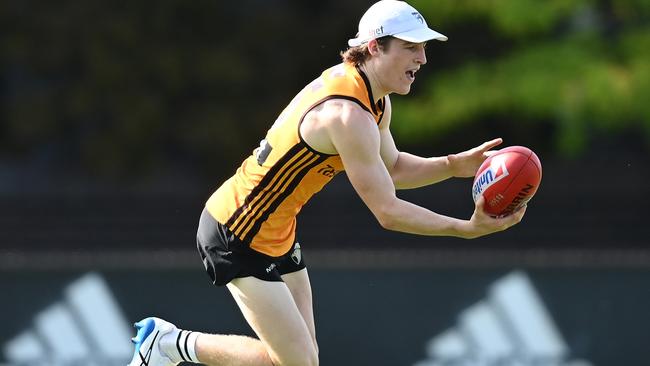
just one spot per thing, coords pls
(507, 179)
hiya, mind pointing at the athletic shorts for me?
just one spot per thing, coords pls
(225, 257)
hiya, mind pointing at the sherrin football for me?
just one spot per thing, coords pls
(507, 179)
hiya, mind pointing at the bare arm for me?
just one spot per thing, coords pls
(357, 140)
(411, 171)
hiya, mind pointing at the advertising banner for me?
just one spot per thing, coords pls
(407, 317)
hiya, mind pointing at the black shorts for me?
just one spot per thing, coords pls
(225, 257)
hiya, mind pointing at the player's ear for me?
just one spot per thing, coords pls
(373, 47)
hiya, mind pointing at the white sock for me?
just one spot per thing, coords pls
(179, 344)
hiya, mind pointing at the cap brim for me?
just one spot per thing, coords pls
(354, 42)
(416, 36)
(420, 35)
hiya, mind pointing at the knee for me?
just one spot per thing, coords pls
(303, 357)
(302, 360)
(316, 352)
(311, 359)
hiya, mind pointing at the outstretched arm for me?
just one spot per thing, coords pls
(357, 140)
(411, 171)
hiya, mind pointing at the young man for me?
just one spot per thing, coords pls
(246, 236)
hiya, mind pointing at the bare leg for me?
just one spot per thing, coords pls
(300, 287)
(235, 350)
(270, 309)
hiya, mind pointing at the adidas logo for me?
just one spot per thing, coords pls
(509, 328)
(86, 328)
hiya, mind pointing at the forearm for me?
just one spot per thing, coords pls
(412, 171)
(407, 217)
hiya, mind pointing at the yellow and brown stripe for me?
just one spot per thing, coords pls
(260, 202)
(278, 183)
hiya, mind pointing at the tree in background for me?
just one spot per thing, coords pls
(127, 90)
(150, 88)
(580, 68)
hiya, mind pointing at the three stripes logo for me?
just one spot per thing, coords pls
(511, 327)
(86, 328)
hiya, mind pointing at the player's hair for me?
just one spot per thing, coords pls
(359, 54)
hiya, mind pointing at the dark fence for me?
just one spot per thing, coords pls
(599, 202)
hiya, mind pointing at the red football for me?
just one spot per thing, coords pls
(508, 179)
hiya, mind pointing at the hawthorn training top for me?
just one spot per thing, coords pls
(260, 202)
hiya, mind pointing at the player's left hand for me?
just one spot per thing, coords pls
(466, 163)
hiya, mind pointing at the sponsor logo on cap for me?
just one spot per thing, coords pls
(374, 32)
(418, 17)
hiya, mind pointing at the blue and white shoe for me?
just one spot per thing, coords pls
(147, 343)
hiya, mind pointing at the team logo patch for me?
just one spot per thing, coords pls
(492, 174)
(418, 17)
(296, 256)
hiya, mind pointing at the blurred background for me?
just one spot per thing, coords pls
(119, 119)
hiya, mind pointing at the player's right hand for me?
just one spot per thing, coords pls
(481, 223)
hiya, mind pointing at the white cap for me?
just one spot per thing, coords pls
(394, 18)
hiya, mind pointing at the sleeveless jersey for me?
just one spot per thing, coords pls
(259, 204)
